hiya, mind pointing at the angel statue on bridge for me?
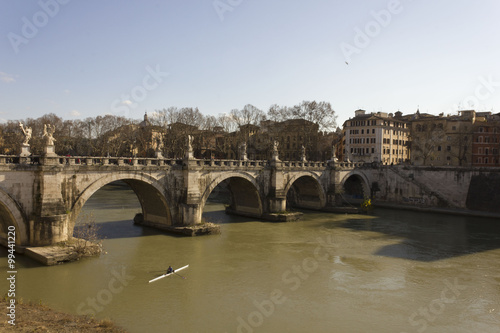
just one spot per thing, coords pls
(48, 134)
(189, 142)
(275, 145)
(27, 133)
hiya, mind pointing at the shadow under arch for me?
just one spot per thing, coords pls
(305, 191)
(151, 195)
(356, 187)
(245, 194)
(11, 215)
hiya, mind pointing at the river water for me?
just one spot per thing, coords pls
(389, 271)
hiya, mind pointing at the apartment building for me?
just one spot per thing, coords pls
(376, 137)
(442, 140)
(486, 140)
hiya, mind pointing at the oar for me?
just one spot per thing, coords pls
(180, 275)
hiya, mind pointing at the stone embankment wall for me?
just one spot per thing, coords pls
(452, 187)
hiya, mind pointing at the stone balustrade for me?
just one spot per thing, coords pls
(142, 161)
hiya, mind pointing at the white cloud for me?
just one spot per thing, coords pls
(127, 102)
(75, 113)
(6, 77)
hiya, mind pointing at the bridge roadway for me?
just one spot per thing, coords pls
(42, 196)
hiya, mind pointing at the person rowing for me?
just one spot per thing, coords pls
(170, 270)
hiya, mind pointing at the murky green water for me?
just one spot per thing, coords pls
(391, 271)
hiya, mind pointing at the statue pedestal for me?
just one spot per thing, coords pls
(189, 155)
(49, 151)
(25, 151)
(158, 154)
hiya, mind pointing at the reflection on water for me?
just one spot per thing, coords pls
(386, 272)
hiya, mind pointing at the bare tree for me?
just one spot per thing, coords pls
(426, 140)
(249, 115)
(278, 113)
(87, 240)
(320, 113)
(462, 144)
(227, 122)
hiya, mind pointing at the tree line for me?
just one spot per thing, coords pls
(119, 136)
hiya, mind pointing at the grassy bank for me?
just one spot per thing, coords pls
(34, 317)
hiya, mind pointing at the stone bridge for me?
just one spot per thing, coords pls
(42, 196)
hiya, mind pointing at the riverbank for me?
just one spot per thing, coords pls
(40, 318)
(438, 210)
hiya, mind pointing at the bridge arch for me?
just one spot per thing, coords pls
(155, 201)
(355, 185)
(11, 214)
(305, 189)
(245, 193)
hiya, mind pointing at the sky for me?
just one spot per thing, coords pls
(82, 59)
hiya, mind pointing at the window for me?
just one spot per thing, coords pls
(439, 148)
(373, 150)
(373, 130)
(448, 148)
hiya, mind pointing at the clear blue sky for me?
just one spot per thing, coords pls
(92, 57)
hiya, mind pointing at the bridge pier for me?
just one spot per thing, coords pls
(49, 230)
(277, 205)
(190, 214)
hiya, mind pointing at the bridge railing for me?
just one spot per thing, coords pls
(87, 160)
(118, 161)
(349, 165)
(299, 164)
(144, 161)
(8, 159)
(232, 163)
(259, 163)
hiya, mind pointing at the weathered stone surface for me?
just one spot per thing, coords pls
(283, 217)
(61, 253)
